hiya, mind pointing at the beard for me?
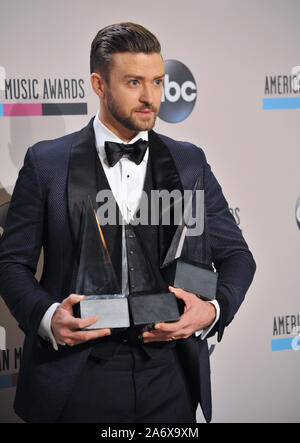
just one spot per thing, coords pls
(130, 121)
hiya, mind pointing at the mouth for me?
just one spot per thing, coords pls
(145, 111)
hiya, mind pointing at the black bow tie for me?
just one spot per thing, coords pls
(135, 151)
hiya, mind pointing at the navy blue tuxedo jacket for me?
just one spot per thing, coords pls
(39, 217)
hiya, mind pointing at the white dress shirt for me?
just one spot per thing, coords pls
(126, 180)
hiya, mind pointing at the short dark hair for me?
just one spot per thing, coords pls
(120, 37)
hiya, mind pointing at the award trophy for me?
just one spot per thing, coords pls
(151, 302)
(96, 278)
(188, 261)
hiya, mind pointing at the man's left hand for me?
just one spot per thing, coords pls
(198, 314)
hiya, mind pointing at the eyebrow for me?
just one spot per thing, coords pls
(140, 77)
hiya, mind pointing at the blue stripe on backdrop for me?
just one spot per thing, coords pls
(281, 103)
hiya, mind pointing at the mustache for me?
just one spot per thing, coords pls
(146, 108)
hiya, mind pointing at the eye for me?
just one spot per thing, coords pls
(158, 81)
(134, 82)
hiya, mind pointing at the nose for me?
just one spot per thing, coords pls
(146, 96)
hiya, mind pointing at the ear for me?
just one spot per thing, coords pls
(98, 84)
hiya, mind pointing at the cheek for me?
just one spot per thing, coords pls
(158, 97)
(128, 99)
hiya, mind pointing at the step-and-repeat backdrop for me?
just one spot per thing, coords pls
(232, 87)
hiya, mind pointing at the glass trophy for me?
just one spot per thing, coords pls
(151, 302)
(187, 264)
(96, 278)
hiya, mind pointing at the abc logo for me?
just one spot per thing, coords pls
(179, 94)
(298, 212)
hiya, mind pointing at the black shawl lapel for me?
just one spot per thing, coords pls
(82, 175)
(165, 176)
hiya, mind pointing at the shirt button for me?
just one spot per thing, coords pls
(131, 269)
(131, 252)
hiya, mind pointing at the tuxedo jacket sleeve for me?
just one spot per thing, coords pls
(20, 249)
(230, 254)
(37, 218)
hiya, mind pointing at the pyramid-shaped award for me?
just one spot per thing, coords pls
(187, 264)
(96, 277)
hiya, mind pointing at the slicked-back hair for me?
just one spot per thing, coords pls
(120, 37)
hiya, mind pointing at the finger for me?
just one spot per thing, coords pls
(183, 295)
(81, 323)
(164, 337)
(77, 337)
(171, 327)
(68, 302)
(155, 334)
(179, 333)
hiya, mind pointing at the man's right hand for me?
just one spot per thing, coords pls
(68, 329)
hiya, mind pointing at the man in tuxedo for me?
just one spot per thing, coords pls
(73, 374)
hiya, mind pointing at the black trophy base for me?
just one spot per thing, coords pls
(112, 311)
(153, 308)
(191, 278)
